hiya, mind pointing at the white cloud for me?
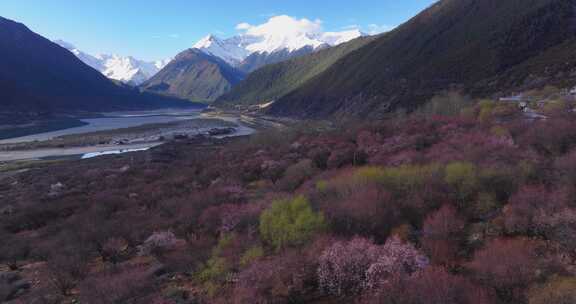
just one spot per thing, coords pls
(282, 25)
(174, 36)
(268, 15)
(243, 26)
(374, 29)
(351, 27)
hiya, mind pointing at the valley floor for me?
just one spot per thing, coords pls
(454, 209)
(75, 142)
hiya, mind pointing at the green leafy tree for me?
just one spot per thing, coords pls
(290, 222)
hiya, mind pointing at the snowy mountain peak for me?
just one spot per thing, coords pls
(335, 38)
(123, 68)
(65, 44)
(229, 50)
(279, 33)
(207, 42)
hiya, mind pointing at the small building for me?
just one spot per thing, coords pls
(573, 91)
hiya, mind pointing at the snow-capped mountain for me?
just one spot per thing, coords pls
(281, 34)
(123, 68)
(229, 50)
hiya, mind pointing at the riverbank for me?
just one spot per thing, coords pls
(38, 154)
(137, 138)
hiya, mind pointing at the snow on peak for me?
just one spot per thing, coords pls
(207, 42)
(229, 50)
(335, 38)
(64, 44)
(279, 33)
(283, 32)
(123, 68)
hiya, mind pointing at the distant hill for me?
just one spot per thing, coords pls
(482, 47)
(196, 76)
(274, 81)
(38, 76)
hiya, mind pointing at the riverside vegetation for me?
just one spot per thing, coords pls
(473, 206)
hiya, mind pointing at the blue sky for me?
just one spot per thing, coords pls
(154, 30)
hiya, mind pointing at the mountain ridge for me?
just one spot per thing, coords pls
(126, 69)
(194, 75)
(451, 44)
(57, 81)
(266, 44)
(276, 80)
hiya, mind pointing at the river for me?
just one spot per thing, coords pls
(111, 121)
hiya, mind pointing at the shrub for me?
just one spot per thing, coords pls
(557, 290)
(361, 209)
(450, 103)
(553, 107)
(432, 285)
(407, 178)
(342, 267)
(282, 279)
(320, 157)
(296, 174)
(565, 167)
(349, 267)
(461, 176)
(397, 258)
(531, 207)
(229, 217)
(344, 156)
(290, 222)
(502, 182)
(127, 286)
(251, 255)
(12, 251)
(64, 269)
(441, 235)
(114, 250)
(221, 264)
(158, 242)
(559, 227)
(509, 265)
(213, 274)
(485, 207)
(487, 108)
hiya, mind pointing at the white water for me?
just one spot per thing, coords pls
(97, 154)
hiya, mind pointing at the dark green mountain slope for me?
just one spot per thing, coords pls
(484, 46)
(39, 77)
(258, 60)
(196, 76)
(274, 81)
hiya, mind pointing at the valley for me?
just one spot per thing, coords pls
(125, 131)
(377, 152)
